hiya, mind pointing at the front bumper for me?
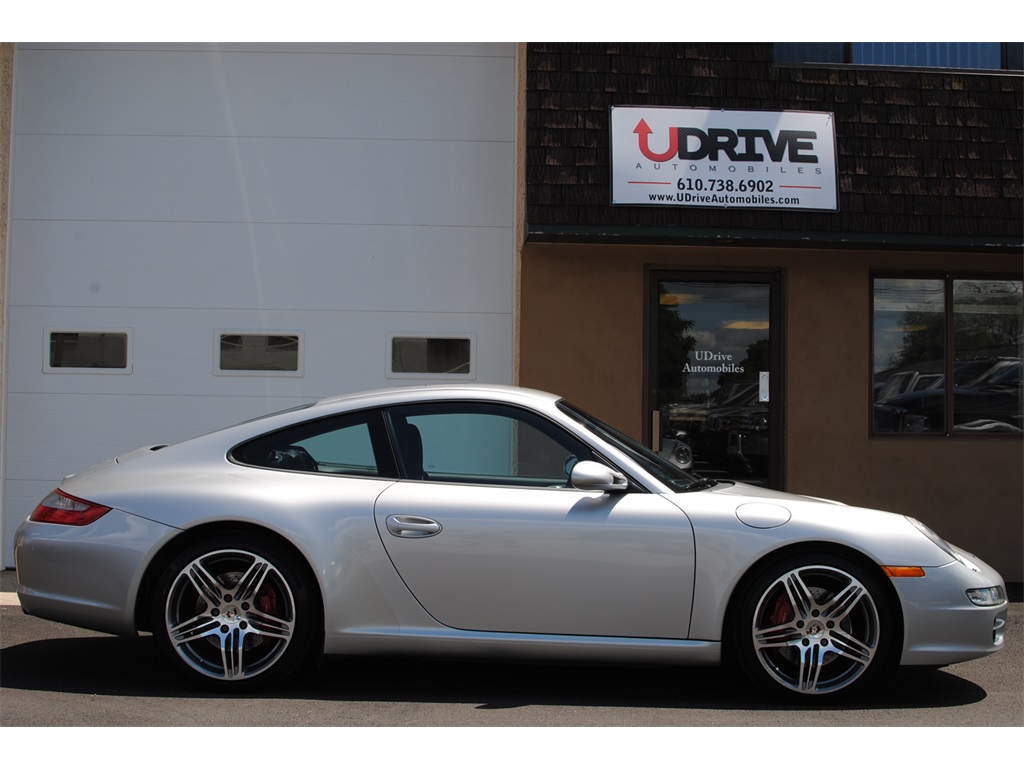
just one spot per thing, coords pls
(941, 625)
(86, 576)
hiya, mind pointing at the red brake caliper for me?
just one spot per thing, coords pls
(783, 612)
(267, 601)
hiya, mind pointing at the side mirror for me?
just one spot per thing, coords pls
(592, 476)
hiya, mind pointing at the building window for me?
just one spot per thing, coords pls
(928, 332)
(982, 56)
(87, 351)
(430, 356)
(259, 354)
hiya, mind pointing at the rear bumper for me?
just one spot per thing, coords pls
(85, 576)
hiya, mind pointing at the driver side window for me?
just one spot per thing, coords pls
(483, 444)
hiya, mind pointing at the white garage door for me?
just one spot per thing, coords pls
(229, 230)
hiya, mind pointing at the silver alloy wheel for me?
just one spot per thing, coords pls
(230, 614)
(816, 629)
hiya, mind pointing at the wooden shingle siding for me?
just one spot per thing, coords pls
(934, 154)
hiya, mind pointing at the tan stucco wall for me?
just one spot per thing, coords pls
(582, 331)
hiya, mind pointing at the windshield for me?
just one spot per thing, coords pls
(662, 469)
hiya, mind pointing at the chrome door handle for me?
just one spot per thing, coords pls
(412, 527)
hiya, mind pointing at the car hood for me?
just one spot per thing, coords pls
(731, 488)
(745, 516)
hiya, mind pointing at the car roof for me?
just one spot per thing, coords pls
(471, 391)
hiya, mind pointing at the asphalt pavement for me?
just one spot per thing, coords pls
(54, 675)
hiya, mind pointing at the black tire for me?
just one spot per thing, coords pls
(234, 612)
(814, 626)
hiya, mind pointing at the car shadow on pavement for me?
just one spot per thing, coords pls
(112, 666)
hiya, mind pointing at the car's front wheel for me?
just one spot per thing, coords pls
(814, 626)
(234, 612)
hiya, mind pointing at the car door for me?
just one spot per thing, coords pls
(489, 537)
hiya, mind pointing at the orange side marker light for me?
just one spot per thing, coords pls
(903, 571)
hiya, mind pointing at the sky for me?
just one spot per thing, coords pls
(461, 20)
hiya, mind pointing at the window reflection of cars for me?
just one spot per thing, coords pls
(986, 398)
(676, 449)
(737, 431)
(895, 385)
(728, 430)
(675, 445)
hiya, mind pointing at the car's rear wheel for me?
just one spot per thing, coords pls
(234, 612)
(814, 625)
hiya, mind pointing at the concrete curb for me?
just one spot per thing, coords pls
(7, 586)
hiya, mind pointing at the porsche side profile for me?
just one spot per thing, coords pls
(488, 521)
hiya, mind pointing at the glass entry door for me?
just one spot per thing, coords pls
(714, 374)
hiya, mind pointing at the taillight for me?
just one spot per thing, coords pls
(62, 509)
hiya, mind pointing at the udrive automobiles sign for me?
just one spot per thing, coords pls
(717, 158)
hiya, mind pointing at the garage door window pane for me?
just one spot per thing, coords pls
(259, 353)
(438, 356)
(100, 351)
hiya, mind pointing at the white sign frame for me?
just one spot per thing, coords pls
(723, 158)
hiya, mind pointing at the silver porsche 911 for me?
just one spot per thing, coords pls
(488, 521)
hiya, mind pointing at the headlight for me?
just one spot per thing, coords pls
(942, 544)
(987, 596)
